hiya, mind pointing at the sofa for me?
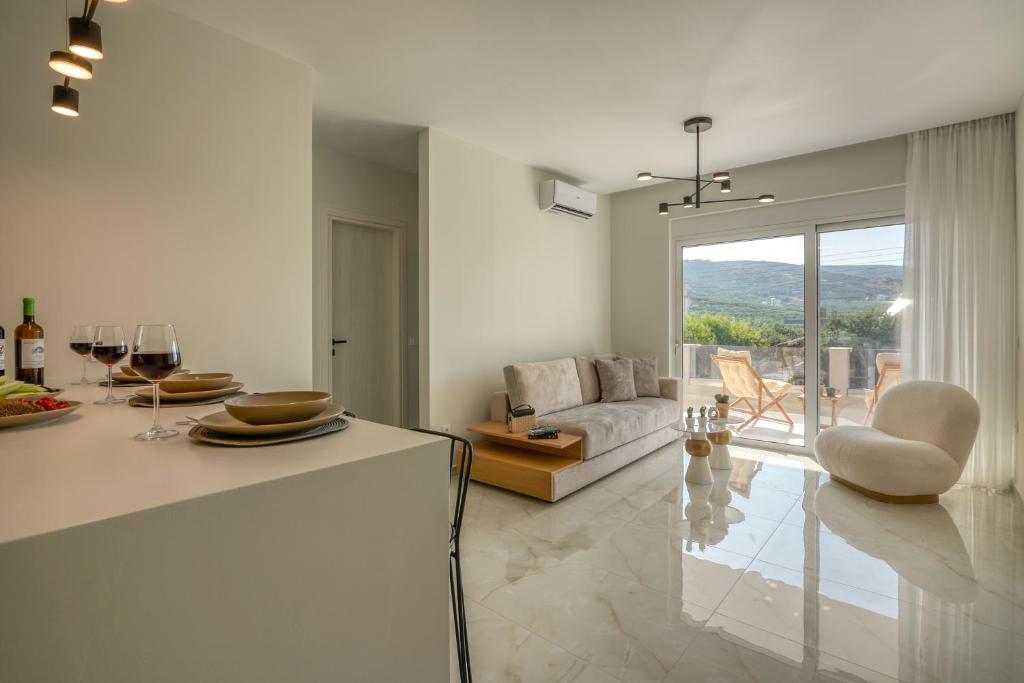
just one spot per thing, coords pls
(566, 393)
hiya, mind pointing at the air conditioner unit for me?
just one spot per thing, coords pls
(563, 198)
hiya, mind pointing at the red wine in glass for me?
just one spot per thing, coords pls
(108, 355)
(155, 366)
(155, 355)
(82, 339)
(109, 347)
(83, 348)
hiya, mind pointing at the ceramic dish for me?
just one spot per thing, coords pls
(126, 371)
(36, 418)
(223, 423)
(200, 433)
(275, 407)
(122, 378)
(199, 381)
(147, 393)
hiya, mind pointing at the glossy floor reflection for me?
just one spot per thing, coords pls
(772, 573)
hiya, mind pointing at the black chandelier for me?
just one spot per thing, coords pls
(699, 124)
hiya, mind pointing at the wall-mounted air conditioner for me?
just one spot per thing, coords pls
(563, 198)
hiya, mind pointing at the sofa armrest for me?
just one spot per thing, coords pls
(500, 406)
(671, 387)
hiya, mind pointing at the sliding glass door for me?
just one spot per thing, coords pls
(743, 333)
(860, 306)
(800, 327)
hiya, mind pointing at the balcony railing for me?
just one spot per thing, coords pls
(847, 370)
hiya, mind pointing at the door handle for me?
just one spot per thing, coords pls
(335, 342)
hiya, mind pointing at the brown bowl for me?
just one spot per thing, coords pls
(127, 370)
(277, 407)
(198, 381)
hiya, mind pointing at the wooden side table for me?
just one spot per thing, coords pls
(514, 462)
(835, 407)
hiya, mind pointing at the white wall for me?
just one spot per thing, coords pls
(1018, 469)
(507, 282)
(642, 255)
(181, 194)
(346, 186)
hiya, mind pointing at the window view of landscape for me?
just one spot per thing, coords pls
(747, 298)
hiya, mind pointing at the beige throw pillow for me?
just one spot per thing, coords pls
(589, 382)
(645, 377)
(616, 378)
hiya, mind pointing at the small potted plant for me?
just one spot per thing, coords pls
(722, 403)
(689, 418)
(703, 414)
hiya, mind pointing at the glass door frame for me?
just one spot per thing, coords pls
(810, 231)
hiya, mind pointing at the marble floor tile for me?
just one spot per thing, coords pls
(729, 650)
(771, 573)
(502, 651)
(657, 559)
(615, 624)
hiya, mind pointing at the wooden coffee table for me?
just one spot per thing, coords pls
(514, 462)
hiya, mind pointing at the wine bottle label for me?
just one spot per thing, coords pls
(33, 353)
(3, 354)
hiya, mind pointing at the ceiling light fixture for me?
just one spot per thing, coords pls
(84, 42)
(698, 125)
(65, 99)
(84, 36)
(70, 65)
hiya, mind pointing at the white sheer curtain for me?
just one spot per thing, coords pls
(961, 274)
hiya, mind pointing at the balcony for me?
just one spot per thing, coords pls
(849, 371)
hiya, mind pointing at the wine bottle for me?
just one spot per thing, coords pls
(29, 346)
(3, 353)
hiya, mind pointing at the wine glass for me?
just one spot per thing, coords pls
(82, 337)
(155, 355)
(109, 346)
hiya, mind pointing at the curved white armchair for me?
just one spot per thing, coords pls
(915, 449)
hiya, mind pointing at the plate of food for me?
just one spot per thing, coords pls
(22, 412)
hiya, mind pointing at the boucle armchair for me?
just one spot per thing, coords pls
(915, 449)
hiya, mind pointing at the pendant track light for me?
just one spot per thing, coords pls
(85, 38)
(70, 65)
(698, 125)
(65, 100)
(84, 42)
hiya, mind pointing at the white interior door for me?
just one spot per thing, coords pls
(366, 321)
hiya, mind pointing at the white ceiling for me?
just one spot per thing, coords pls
(596, 89)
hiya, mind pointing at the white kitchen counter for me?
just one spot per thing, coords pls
(175, 560)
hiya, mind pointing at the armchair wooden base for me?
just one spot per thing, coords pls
(885, 497)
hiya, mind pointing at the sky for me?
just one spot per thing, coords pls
(882, 245)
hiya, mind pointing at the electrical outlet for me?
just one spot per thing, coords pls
(446, 428)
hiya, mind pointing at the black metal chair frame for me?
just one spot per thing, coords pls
(454, 561)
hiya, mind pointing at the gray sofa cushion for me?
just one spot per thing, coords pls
(605, 426)
(548, 387)
(645, 377)
(589, 382)
(616, 379)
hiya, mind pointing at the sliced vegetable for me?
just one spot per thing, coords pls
(10, 387)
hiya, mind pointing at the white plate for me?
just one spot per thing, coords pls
(225, 424)
(167, 397)
(36, 418)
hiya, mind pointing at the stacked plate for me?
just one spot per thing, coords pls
(190, 387)
(273, 414)
(129, 376)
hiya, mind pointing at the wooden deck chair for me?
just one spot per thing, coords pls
(745, 385)
(889, 375)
